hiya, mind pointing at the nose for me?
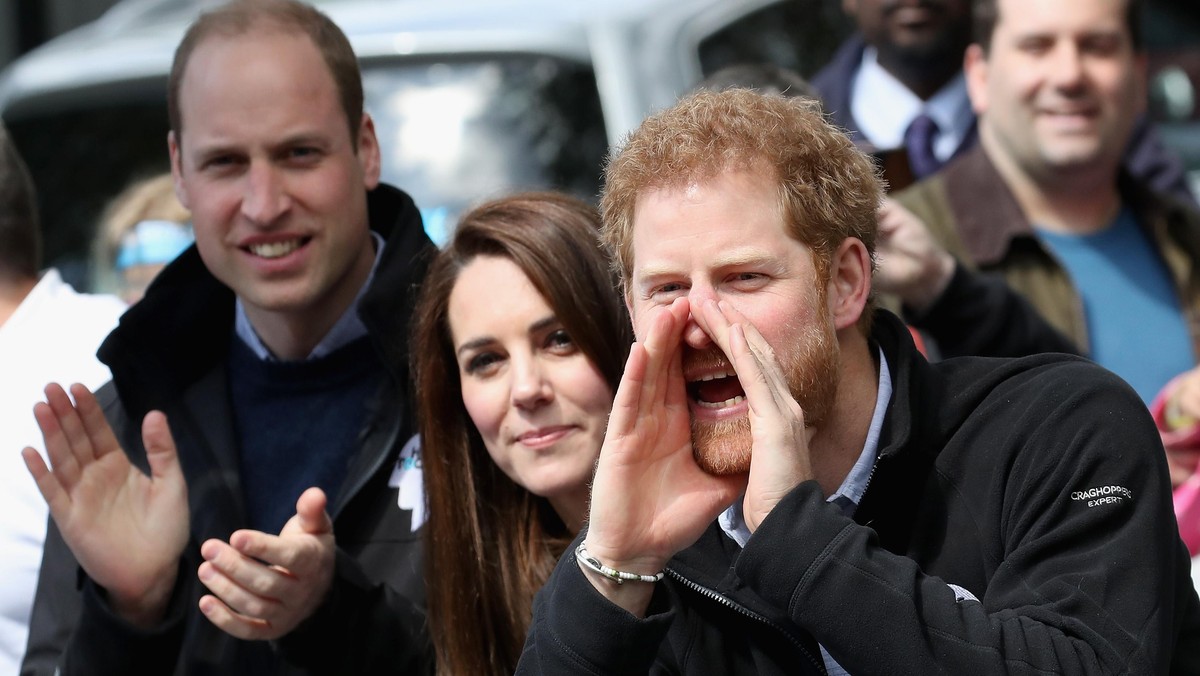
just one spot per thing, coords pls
(265, 198)
(693, 335)
(1067, 71)
(530, 386)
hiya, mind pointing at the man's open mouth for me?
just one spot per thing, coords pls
(716, 390)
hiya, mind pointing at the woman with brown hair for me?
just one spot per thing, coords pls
(520, 341)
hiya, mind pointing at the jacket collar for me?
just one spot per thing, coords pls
(180, 330)
(989, 219)
(970, 181)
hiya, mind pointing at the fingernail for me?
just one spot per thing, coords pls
(205, 573)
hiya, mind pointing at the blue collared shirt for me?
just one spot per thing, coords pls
(348, 328)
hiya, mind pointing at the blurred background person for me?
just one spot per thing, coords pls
(897, 82)
(142, 229)
(48, 332)
(1047, 200)
(897, 86)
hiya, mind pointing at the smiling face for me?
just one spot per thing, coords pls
(539, 404)
(725, 239)
(276, 186)
(1059, 88)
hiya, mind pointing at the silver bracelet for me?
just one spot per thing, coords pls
(618, 576)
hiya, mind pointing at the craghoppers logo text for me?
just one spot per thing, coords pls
(1103, 495)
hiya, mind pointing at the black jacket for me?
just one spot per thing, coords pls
(169, 353)
(1037, 485)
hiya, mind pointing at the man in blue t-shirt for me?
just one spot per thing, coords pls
(1043, 199)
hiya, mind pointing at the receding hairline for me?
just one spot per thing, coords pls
(257, 24)
(258, 28)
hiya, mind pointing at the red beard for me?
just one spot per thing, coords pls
(811, 372)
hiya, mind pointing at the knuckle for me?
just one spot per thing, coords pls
(262, 585)
(255, 607)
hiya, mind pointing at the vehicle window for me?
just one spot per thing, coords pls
(456, 131)
(799, 35)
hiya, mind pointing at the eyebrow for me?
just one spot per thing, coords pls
(224, 147)
(483, 341)
(731, 259)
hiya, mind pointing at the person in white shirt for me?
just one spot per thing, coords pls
(48, 332)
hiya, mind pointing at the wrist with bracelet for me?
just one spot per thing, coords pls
(619, 576)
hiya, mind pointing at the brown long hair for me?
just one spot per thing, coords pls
(491, 544)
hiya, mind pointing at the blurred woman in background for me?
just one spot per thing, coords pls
(143, 228)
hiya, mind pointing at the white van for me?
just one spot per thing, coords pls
(470, 97)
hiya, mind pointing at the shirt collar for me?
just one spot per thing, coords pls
(884, 125)
(733, 522)
(348, 328)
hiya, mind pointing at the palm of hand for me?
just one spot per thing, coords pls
(650, 499)
(655, 472)
(125, 528)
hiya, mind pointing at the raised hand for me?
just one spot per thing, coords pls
(263, 585)
(780, 459)
(127, 530)
(912, 265)
(1182, 417)
(649, 497)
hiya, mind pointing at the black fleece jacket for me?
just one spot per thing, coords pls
(170, 353)
(1038, 485)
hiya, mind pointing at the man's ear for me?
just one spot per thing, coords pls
(369, 154)
(849, 282)
(975, 67)
(177, 168)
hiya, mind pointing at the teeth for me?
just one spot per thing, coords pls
(721, 404)
(275, 249)
(714, 376)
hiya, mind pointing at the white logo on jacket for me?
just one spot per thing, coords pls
(1103, 495)
(406, 477)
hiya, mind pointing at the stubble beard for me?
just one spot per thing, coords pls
(724, 447)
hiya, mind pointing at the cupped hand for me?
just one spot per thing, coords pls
(263, 586)
(649, 497)
(779, 452)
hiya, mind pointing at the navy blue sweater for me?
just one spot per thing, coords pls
(297, 424)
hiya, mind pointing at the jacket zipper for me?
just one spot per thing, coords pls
(730, 603)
